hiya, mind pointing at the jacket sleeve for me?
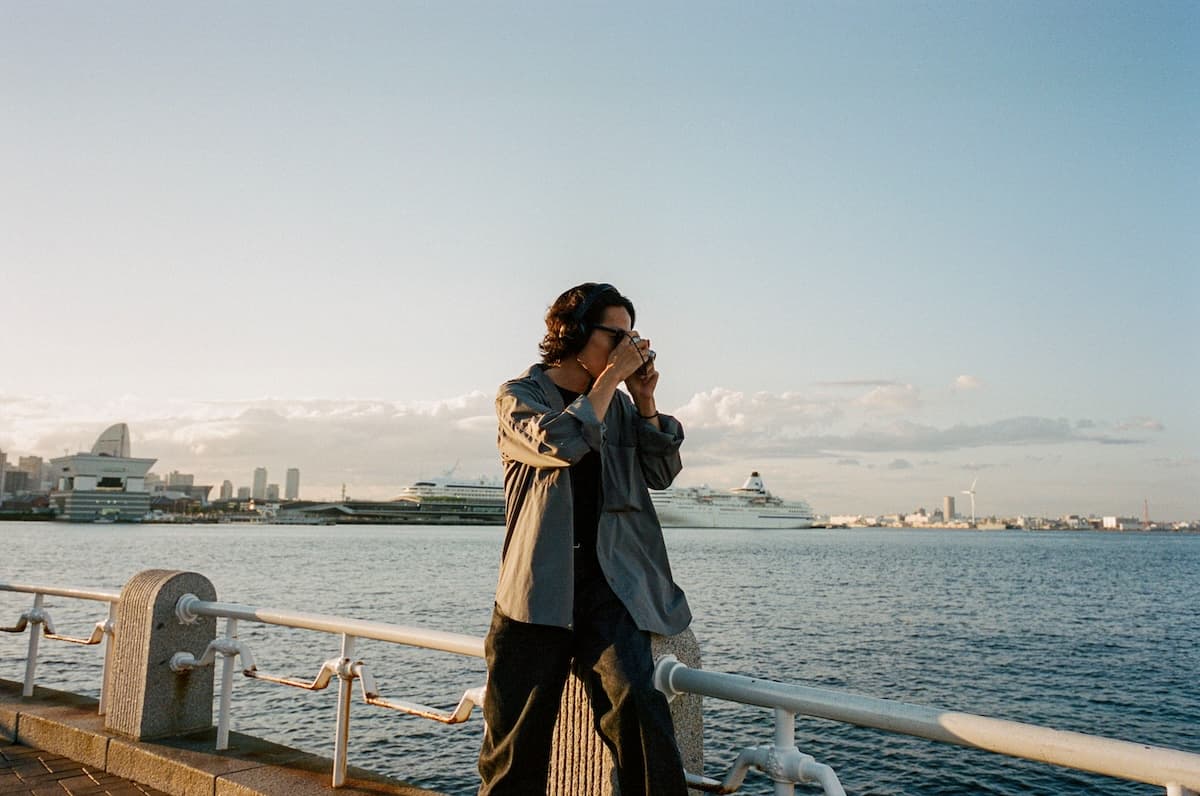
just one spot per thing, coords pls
(532, 433)
(658, 451)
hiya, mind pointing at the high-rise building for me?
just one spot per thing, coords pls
(948, 508)
(259, 492)
(17, 482)
(243, 493)
(176, 478)
(272, 493)
(35, 467)
(226, 490)
(292, 488)
(3, 460)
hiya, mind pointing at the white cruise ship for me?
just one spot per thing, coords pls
(466, 490)
(749, 506)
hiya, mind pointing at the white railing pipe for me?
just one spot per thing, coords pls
(54, 591)
(190, 607)
(109, 631)
(42, 626)
(1111, 757)
(341, 740)
(36, 620)
(223, 717)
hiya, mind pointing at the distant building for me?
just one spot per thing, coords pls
(1121, 524)
(36, 469)
(3, 460)
(948, 508)
(273, 493)
(16, 482)
(243, 493)
(226, 490)
(259, 492)
(106, 485)
(258, 488)
(176, 478)
(292, 486)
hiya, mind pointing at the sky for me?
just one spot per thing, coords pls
(882, 249)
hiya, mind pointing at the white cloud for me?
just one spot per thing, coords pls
(1140, 424)
(892, 398)
(966, 382)
(374, 446)
(377, 446)
(783, 413)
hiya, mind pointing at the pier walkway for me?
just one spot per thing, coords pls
(54, 743)
(24, 770)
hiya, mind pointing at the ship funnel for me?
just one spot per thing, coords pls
(754, 483)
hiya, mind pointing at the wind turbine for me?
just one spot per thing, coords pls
(971, 492)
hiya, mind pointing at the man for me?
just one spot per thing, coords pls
(584, 574)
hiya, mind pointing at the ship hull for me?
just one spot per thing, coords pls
(723, 517)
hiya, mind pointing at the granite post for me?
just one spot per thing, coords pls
(147, 699)
(580, 763)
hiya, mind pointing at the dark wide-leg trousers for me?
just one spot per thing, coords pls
(527, 670)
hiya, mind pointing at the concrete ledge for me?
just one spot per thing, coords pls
(68, 725)
(65, 732)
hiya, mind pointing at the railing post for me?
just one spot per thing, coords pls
(109, 630)
(35, 636)
(785, 741)
(345, 696)
(148, 698)
(223, 717)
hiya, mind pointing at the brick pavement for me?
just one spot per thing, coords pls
(24, 770)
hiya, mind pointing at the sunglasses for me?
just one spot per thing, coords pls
(615, 332)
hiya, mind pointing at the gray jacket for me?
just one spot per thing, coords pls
(539, 438)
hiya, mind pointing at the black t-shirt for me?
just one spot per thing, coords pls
(585, 489)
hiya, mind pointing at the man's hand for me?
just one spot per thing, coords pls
(642, 382)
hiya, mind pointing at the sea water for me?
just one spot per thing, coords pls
(1092, 632)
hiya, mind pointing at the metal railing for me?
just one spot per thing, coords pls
(1176, 771)
(190, 608)
(37, 620)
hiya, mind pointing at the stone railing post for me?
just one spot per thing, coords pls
(147, 699)
(581, 764)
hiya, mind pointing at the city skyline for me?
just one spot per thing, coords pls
(880, 252)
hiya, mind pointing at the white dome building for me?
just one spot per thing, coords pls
(105, 485)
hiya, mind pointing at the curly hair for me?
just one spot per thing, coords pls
(566, 332)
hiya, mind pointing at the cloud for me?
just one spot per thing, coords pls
(765, 437)
(899, 464)
(892, 398)
(857, 383)
(1176, 462)
(778, 413)
(966, 382)
(1140, 424)
(375, 447)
